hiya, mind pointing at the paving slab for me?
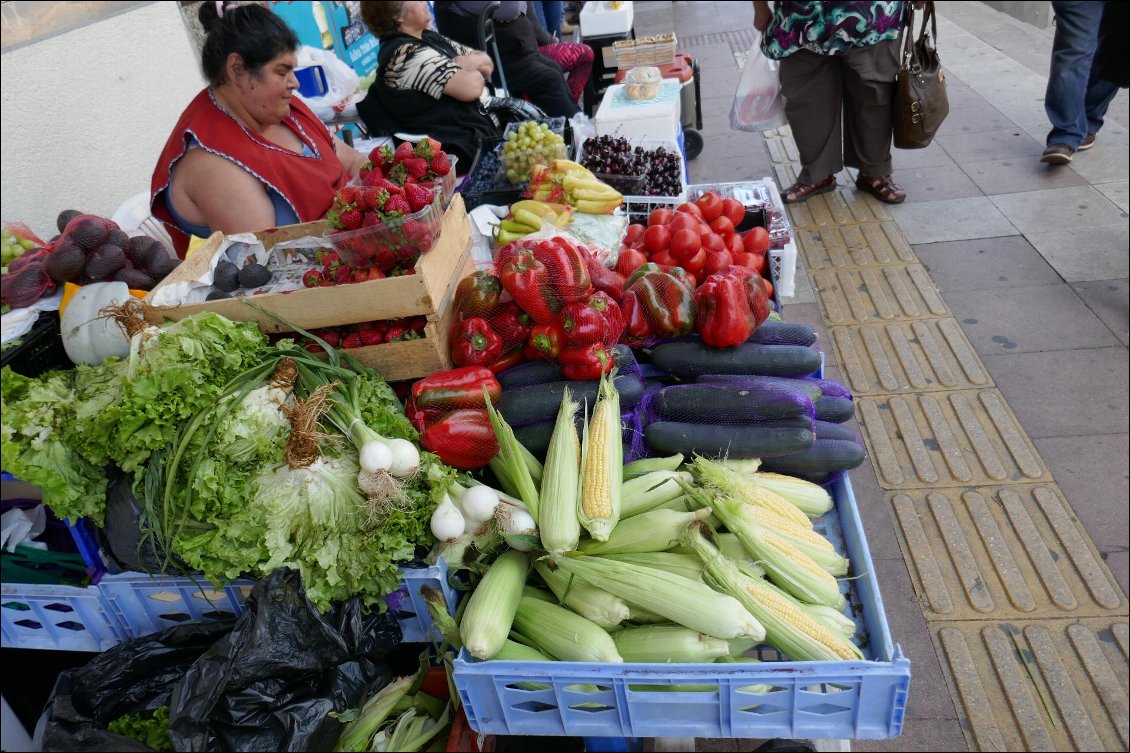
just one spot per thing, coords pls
(1091, 472)
(1066, 393)
(1005, 262)
(1058, 209)
(990, 145)
(1108, 300)
(951, 220)
(920, 735)
(1020, 174)
(1118, 192)
(1089, 253)
(928, 355)
(936, 183)
(882, 540)
(866, 295)
(1119, 564)
(932, 156)
(1039, 685)
(1026, 320)
(1002, 553)
(860, 245)
(972, 113)
(1103, 163)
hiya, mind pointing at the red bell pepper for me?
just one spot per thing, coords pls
(508, 361)
(478, 294)
(586, 362)
(542, 276)
(568, 270)
(755, 292)
(456, 388)
(637, 329)
(546, 341)
(463, 438)
(666, 301)
(475, 343)
(596, 320)
(722, 313)
(674, 270)
(604, 279)
(511, 324)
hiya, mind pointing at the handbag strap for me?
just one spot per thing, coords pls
(928, 15)
(910, 47)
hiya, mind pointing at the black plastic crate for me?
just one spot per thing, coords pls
(487, 184)
(40, 350)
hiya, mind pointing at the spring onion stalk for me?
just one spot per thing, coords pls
(510, 463)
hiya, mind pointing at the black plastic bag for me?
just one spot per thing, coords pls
(138, 675)
(120, 535)
(272, 683)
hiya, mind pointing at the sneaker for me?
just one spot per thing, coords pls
(1058, 154)
(1088, 142)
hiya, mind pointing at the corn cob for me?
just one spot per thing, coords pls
(668, 644)
(788, 626)
(560, 529)
(833, 619)
(686, 565)
(740, 487)
(652, 531)
(681, 600)
(813, 499)
(510, 464)
(785, 565)
(602, 460)
(491, 607)
(651, 490)
(806, 540)
(564, 635)
(650, 465)
(582, 597)
(514, 651)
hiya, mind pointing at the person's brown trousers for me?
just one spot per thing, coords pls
(856, 90)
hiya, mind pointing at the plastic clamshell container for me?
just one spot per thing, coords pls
(396, 242)
(768, 699)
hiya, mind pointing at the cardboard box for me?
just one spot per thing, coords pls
(428, 293)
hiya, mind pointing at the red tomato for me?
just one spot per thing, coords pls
(657, 238)
(735, 244)
(696, 263)
(693, 279)
(749, 261)
(630, 260)
(683, 221)
(713, 242)
(757, 241)
(634, 236)
(733, 209)
(685, 244)
(723, 227)
(763, 267)
(659, 217)
(664, 259)
(690, 209)
(717, 261)
(710, 204)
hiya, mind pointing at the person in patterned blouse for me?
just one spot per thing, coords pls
(838, 67)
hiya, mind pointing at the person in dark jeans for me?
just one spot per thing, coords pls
(528, 72)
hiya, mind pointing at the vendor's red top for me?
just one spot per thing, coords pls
(308, 183)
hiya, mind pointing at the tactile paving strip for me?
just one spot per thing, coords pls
(863, 245)
(925, 355)
(874, 294)
(1008, 552)
(960, 438)
(1039, 685)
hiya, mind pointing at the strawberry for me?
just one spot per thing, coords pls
(352, 340)
(418, 196)
(372, 178)
(350, 218)
(416, 233)
(371, 218)
(440, 164)
(372, 273)
(368, 198)
(417, 167)
(403, 152)
(372, 337)
(347, 195)
(397, 206)
(426, 147)
(380, 157)
(330, 260)
(343, 275)
(365, 169)
(331, 336)
(312, 278)
(388, 185)
(398, 174)
(315, 348)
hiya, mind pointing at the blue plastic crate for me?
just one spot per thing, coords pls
(415, 621)
(57, 618)
(773, 698)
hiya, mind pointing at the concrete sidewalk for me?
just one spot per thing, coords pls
(983, 326)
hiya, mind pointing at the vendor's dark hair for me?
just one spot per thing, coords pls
(382, 17)
(256, 34)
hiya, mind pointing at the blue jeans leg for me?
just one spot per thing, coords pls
(1099, 95)
(1073, 50)
(550, 13)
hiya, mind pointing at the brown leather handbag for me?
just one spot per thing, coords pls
(920, 86)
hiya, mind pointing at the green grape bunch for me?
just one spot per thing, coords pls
(12, 247)
(530, 144)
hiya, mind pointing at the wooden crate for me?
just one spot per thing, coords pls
(427, 293)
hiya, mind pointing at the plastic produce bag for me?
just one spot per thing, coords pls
(275, 680)
(135, 676)
(342, 83)
(758, 104)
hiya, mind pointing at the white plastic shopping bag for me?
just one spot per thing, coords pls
(758, 105)
(342, 82)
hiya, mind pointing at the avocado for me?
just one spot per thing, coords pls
(254, 275)
(226, 276)
(217, 295)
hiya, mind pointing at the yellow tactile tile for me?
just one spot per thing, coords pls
(940, 440)
(869, 295)
(861, 245)
(910, 356)
(1038, 685)
(1005, 552)
(843, 206)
